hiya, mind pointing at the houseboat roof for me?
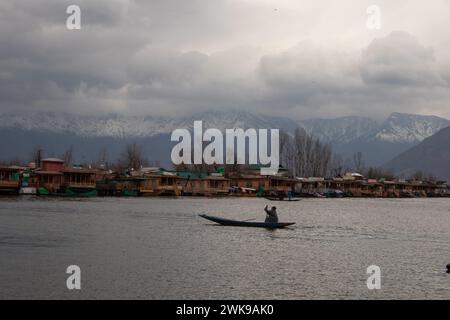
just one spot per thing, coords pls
(161, 175)
(310, 179)
(282, 178)
(247, 176)
(216, 178)
(11, 168)
(81, 170)
(354, 174)
(369, 183)
(48, 172)
(152, 169)
(192, 175)
(52, 160)
(260, 166)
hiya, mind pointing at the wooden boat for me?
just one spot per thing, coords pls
(236, 223)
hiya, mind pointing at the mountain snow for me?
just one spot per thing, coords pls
(120, 126)
(410, 128)
(398, 128)
(339, 130)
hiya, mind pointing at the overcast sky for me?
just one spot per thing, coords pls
(301, 59)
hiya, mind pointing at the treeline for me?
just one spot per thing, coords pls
(306, 156)
(132, 156)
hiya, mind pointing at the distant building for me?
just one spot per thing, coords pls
(203, 184)
(9, 179)
(52, 164)
(50, 175)
(79, 181)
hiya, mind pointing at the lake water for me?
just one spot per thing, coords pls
(157, 248)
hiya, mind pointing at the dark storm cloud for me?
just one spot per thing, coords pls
(399, 60)
(165, 57)
(393, 73)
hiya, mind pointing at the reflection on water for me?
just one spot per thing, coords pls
(159, 248)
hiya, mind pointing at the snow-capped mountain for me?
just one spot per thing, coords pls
(430, 157)
(112, 125)
(120, 126)
(238, 119)
(90, 136)
(397, 128)
(378, 142)
(409, 128)
(396, 134)
(339, 130)
(55, 132)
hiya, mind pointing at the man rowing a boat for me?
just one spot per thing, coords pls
(271, 215)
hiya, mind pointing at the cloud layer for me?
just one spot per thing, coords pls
(289, 58)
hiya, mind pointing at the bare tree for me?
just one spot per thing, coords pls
(418, 176)
(304, 155)
(358, 161)
(36, 156)
(103, 158)
(133, 157)
(379, 173)
(15, 161)
(286, 152)
(337, 166)
(67, 156)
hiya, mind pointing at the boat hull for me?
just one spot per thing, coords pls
(236, 223)
(81, 192)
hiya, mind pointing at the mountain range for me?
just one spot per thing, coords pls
(379, 142)
(121, 126)
(430, 157)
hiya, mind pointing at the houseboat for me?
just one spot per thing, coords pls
(50, 176)
(78, 181)
(10, 179)
(204, 184)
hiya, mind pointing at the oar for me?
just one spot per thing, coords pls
(248, 220)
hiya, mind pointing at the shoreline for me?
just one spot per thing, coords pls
(296, 199)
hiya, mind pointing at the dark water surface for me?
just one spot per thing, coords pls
(154, 248)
